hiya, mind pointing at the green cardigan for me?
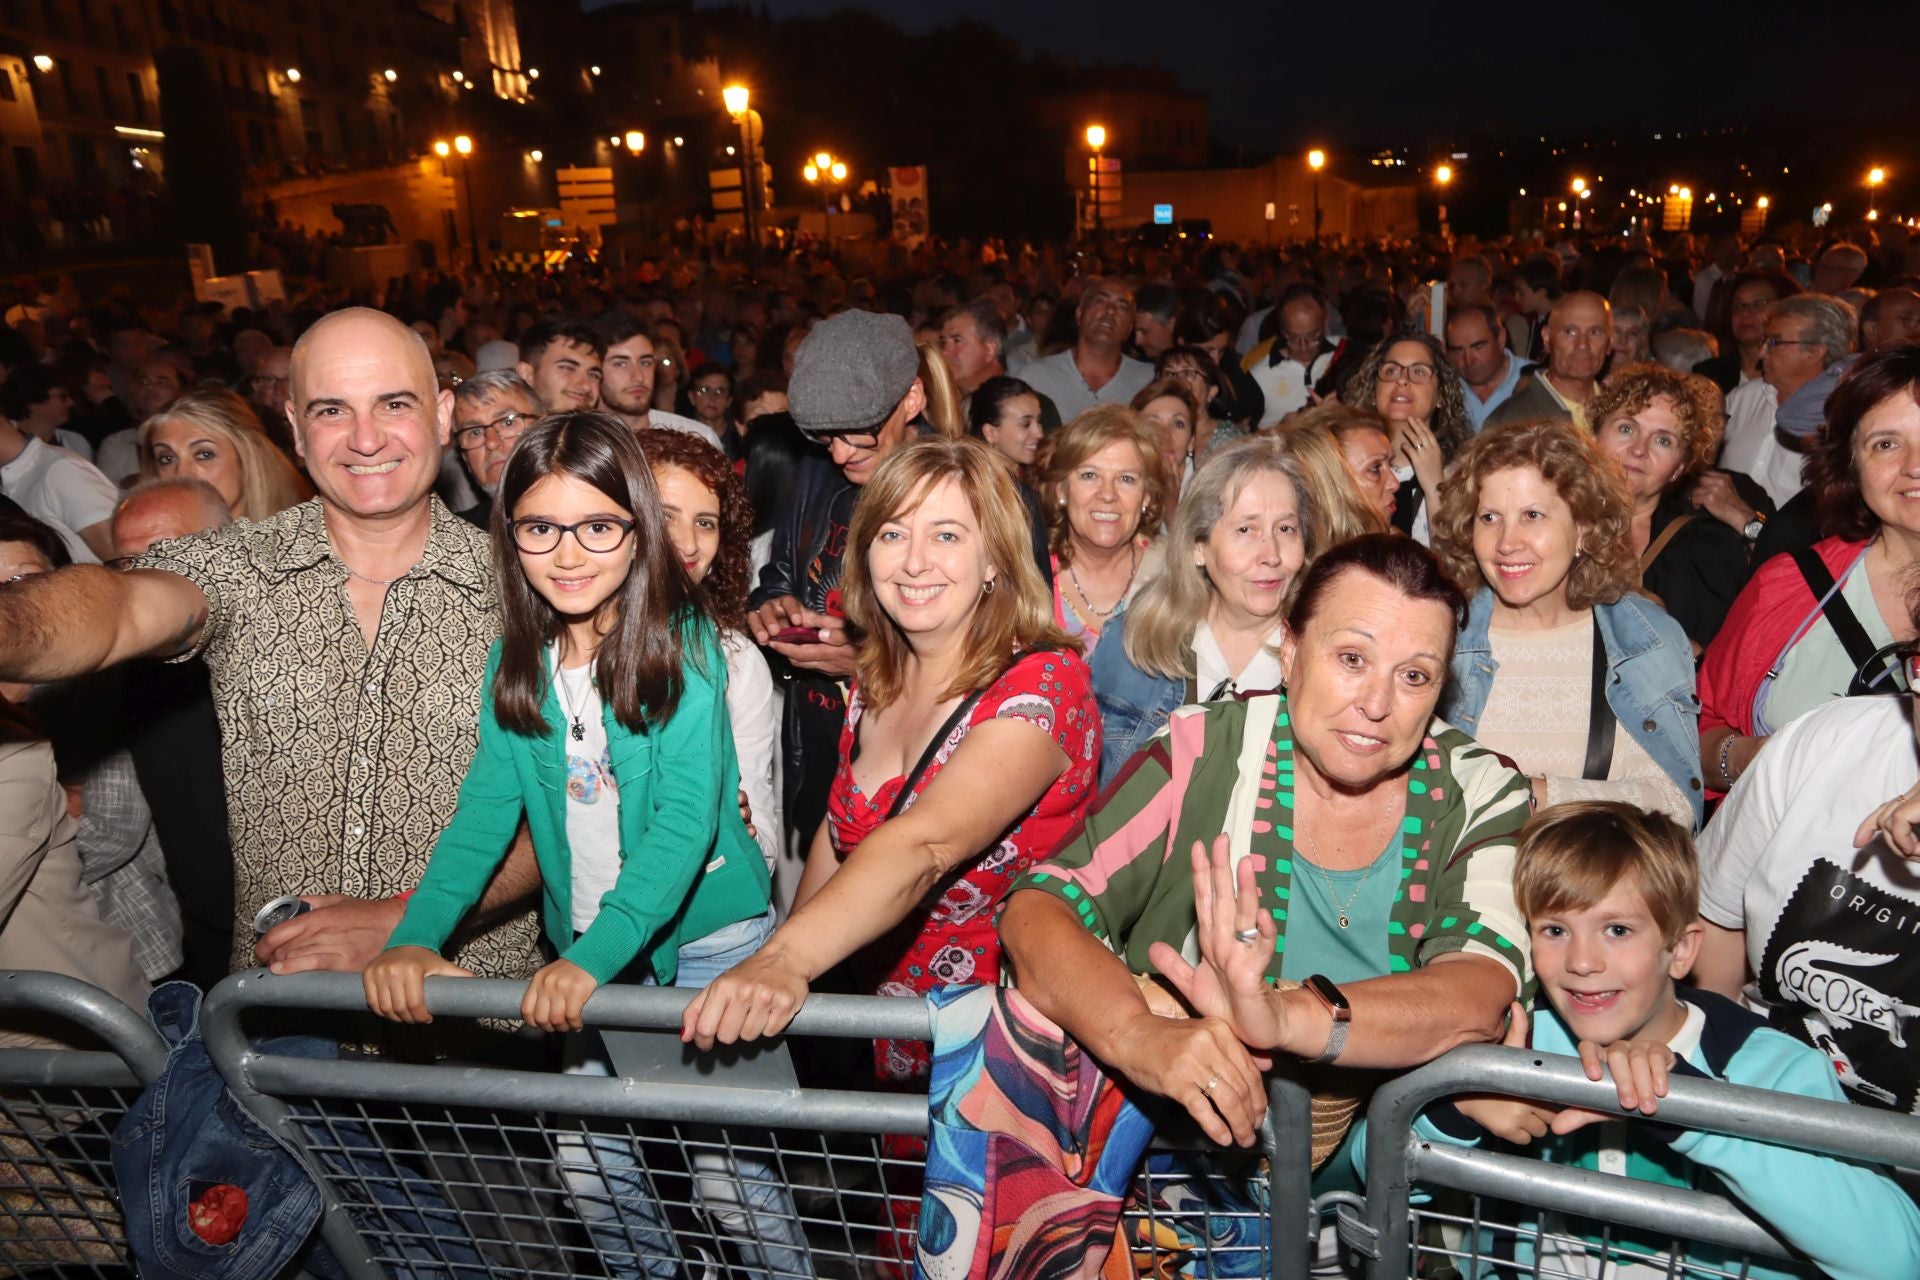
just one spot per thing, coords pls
(688, 866)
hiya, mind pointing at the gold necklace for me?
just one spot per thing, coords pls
(1326, 878)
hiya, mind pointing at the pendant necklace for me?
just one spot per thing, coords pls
(1088, 600)
(576, 728)
(1326, 878)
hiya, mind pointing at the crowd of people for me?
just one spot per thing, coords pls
(1226, 650)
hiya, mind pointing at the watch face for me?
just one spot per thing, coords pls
(1330, 996)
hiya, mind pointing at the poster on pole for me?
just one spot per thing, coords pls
(908, 184)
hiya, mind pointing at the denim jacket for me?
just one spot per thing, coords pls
(1133, 703)
(1649, 683)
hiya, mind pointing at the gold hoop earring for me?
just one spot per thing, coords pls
(986, 588)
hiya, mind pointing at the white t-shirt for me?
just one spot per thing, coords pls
(53, 485)
(593, 799)
(753, 710)
(1832, 932)
(1750, 446)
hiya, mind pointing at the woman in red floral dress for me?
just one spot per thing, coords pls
(971, 701)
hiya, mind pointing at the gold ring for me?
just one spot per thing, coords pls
(1212, 1084)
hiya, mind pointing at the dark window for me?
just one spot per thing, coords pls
(26, 163)
(137, 95)
(309, 115)
(121, 38)
(103, 82)
(86, 162)
(6, 86)
(256, 140)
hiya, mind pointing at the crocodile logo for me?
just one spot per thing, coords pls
(1823, 976)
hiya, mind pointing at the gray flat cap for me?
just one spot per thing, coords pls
(851, 372)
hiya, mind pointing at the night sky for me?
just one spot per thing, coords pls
(1395, 73)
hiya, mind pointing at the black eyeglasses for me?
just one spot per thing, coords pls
(599, 535)
(508, 425)
(1418, 374)
(1770, 343)
(852, 439)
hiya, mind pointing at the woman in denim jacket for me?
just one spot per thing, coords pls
(1246, 526)
(1539, 521)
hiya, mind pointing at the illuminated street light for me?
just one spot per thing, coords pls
(679, 141)
(536, 155)
(533, 73)
(839, 171)
(636, 140)
(293, 75)
(735, 97)
(459, 76)
(1096, 136)
(1443, 175)
(463, 144)
(42, 63)
(1876, 176)
(614, 140)
(1762, 202)
(391, 75)
(1673, 188)
(443, 148)
(822, 160)
(811, 173)
(595, 69)
(1579, 186)
(1316, 161)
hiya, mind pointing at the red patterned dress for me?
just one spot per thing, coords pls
(951, 938)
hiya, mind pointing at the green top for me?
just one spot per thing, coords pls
(1315, 941)
(1228, 767)
(688, 866)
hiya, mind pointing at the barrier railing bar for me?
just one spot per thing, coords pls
(66, 1069)
(1695, 1216)
(1287, 1136)
(1835, 1128)
(123, 1030)
(842, 1017)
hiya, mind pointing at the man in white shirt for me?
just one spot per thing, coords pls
(626, 378)
(1093, 370)
(1726, 261)
(56, 486)
(1805, 334)
(1289, 366)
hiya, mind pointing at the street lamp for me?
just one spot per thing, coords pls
(293, 75)
(42, 63)
(1443, 178)
(1875, 176)
(463, 146)
(737, 100)
(390, 75)
(824, 170)
(1096, 139)
(636, 141)
(1316, 161)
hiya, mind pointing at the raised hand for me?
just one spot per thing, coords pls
(1236, 941)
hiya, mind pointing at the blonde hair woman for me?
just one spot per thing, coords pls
(1105, 487)
(1315, 437)
(943, 395)
(1210, 624)
(210, 434)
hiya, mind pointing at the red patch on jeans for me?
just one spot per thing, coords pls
(217, 1214)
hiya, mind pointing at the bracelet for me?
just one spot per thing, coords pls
(1726, 749)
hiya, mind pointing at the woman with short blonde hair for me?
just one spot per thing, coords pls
(1315, 438)
(1562, 666)
(211, 434)
(1104, 487)
(1210, 624)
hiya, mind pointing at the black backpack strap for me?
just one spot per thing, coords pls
(1839, 614)
(1600, 717)
(960, 713)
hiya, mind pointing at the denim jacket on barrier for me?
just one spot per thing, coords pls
(1134, 704)
(1650, 683)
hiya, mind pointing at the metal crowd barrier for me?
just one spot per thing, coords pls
(1469, 1225)
(59, 1210)
(456, 1171)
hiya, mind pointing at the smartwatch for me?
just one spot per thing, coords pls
(1329, 995)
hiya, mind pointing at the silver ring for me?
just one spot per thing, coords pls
(1211, 1085)
(1248, 936)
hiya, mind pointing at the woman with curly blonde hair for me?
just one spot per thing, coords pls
(1409, 381)
(1663, 429)
(1562, 666)
(210, 434)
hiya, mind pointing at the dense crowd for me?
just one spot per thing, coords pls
(1346, 653)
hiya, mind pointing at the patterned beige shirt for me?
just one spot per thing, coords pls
(342, 766)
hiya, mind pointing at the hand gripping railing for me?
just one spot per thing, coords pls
(1398, 1159)
(58, 1110)
(844, 1224)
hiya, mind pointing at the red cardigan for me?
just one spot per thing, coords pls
(1753, 640)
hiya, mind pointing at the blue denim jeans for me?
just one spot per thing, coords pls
(738, 1194)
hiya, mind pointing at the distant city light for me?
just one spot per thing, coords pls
(443, 148)
(293, 75)
(42, 63)
(735, 96)
(391, 75)
(1316, 159)
(533, 73)
(463, 144)
(636, 140)
(536, 155)
(595, 69)
(459, 76)
(679, 141)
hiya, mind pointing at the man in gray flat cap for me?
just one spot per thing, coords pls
(855, 390)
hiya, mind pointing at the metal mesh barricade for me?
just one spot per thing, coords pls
(59, 1213)
(674, 1164)
(1434, 1210)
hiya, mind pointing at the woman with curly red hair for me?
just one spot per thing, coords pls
(710, 524)
(1562, 667)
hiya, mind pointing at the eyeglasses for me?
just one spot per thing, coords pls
(852, 439)
(599, 535)
(1418, 374)
(1771, 343)
(708, 391)
(1313, 339)
(509, 426)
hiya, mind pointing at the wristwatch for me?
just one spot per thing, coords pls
(1753, 527)
(1329, 995)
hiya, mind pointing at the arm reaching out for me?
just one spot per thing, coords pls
(81, 619)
